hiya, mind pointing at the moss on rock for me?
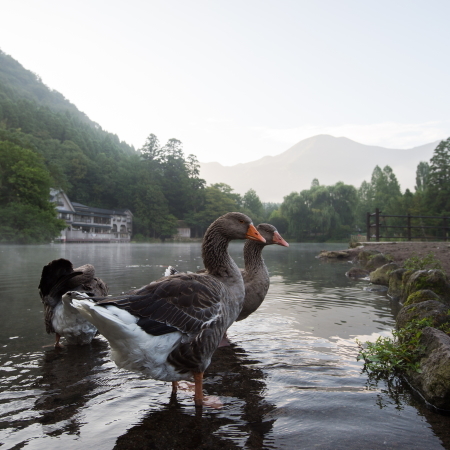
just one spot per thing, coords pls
(433, 280)
(434, 310)
(396, 284)
(433, 379)
(376, 261)
(381, 275)
(365, 255)
(421, 296)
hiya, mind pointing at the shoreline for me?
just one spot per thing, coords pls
(401, 251)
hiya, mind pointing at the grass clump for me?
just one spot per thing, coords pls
(415, 262)
(391, 356)
(401, 353)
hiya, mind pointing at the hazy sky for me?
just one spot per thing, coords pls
(238, 80)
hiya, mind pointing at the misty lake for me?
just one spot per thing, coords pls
(290, 380)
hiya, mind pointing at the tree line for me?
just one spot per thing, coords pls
(335, 212)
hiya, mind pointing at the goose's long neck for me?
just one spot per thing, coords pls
(253, 260)
(215, 254)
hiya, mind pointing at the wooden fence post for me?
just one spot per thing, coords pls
(377, 225)
(409, 226)
(368, 226)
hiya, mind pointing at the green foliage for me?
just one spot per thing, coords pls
(382, 192)
(218, 200)
(422, 176)
(28, 224)
(278, 221)
(415, 262)
(320, 213)
(27, 215)
(269, 208)
(252, 206)
(401, 353)
(438, 187)
(23, 176)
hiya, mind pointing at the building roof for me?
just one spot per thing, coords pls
(80, 208)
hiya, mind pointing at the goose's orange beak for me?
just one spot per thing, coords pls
(277, 239)
(253, 234)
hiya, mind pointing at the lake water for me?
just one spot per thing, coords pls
(289, 381)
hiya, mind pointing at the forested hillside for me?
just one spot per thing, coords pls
(158, 183)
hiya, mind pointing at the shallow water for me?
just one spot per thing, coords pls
(289, 381)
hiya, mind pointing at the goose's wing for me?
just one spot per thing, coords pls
(183, 302)
(97, 287)
(88, 282)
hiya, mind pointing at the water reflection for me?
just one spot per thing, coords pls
(67, 383)
(290, 381)
(241, 421)
(396, 392)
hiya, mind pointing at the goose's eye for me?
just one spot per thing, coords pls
(241, 221)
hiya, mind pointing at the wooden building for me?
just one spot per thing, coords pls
(88, 224)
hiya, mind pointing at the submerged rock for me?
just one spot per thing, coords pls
(376, 288)
(356, 272)
(432, 309)
(381, 275)
(333, 254)
(434, 380)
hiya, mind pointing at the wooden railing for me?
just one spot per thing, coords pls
(379, 229)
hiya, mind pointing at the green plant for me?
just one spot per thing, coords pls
(387, 356)
(415, 262)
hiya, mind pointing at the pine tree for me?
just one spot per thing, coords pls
(422, 176)
(439, 176)
(438, 192)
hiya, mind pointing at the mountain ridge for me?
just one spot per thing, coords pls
(329, 159)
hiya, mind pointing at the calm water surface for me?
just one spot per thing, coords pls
(289, 381)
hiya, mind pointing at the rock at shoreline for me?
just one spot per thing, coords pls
(421, 296)
(366, 255)
(371, 259)
(434, 380)
(434, 280)
(376, 262)
(396, 284)
(435, 310)
(381, 275)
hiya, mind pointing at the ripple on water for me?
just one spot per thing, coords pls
(290, 380)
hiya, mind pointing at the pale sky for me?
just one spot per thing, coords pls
(239, 80)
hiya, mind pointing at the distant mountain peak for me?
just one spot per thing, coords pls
(328, 158)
